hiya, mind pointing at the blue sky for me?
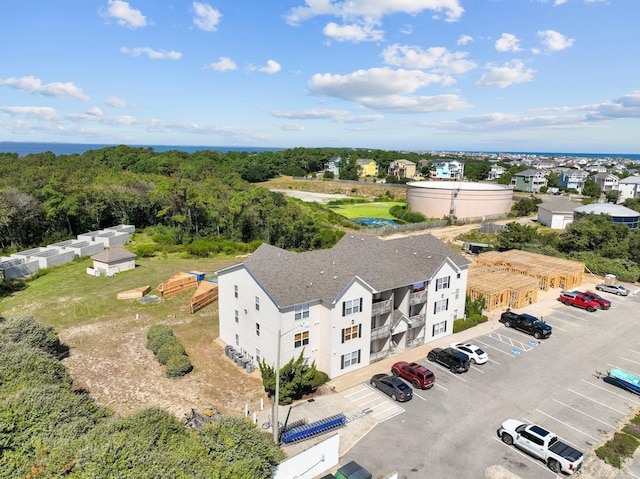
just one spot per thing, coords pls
(473, 75)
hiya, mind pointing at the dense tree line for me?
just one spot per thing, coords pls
(48, 429)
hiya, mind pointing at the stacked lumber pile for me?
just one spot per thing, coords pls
(135, 293)
(206, 293)
(178, 283)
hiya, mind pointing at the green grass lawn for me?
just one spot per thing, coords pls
(367, 210)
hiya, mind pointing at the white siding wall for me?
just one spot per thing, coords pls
(455, 309)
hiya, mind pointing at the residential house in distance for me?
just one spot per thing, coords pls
(448, 170)
(573, 179)
(629, 187)
(367, 167)
(495, 172)
(529, 180)
(344, 307)
(333, 165)
(402, 169)
(606, 181)
(617, 213)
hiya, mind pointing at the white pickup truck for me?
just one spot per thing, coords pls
(545, 445)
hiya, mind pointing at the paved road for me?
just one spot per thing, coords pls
(449, 431)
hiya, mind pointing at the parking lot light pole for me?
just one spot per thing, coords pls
(276, 403)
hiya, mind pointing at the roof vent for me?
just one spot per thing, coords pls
(335, 277)
(321, 272)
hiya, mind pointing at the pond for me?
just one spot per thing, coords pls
(375, 222)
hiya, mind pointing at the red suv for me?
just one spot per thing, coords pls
(419, 376)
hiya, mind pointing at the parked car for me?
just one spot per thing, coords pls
(392, 386)
(579, 300)
(526, 323)
(541, 444)
(613, 288)
(419, 376)
(604, 303)
(453, 359)
(476, 355)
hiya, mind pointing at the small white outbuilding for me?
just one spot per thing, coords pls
(112, 261)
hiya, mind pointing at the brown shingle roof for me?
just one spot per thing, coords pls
(293, 278)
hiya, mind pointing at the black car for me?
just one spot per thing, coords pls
(455, 360)
(526, 323)
(392, 386)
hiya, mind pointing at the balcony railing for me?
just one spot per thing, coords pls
(381, 307)
(380, 355)
(417, 297)
(413, 343)
(418, 320)
(381, 332)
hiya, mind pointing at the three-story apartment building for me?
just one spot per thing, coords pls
(345, 307)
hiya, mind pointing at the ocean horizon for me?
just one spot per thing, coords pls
(27, 148)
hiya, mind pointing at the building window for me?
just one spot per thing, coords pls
(442, 283)
(457, 293)
(257, 329)
(301, 311)
(439, 328)
(458, 276)
(236, 316)
(237, 340)
(441, 305)
(352, 332)
(257, 304)
(258, 355)
(351, 307)
(350, 359)
(301, 339)
(235, 290)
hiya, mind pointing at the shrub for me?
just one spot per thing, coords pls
(169, 349)
(157, 336)
(146, 250)
(617, 449)
(319, 378)
(178, 366)
(31, 333)
(469, 322)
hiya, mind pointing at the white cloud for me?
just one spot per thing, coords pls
(271, 67)
(336, 116)
(94, 111)
(375, 82)
(116, 102)
(464, 39)
(151, 53)
(290, 126)
(40, 112)
(417, 104)
(507, 74)
(32, 84)
(223, 64)
(125, 15)
(373, 10)
(438, 59)
(207, 17)
(508, 43)
(554, 41)
(353, 32)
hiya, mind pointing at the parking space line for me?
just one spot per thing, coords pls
(630, 360)
(634, 351)
(568, 425)
(507, 340)
(597, 402)
(497, 349)
(571, 316)
(523, 454)
(457, 376)
(476, 368)
(358, 391)
(611, 392)
(558, 327)
(418, 395)
(584, 413)
(441, 387)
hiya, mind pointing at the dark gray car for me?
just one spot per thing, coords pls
(392, 386)
(614, 289)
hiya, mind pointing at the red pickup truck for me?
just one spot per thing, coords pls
(579, 300)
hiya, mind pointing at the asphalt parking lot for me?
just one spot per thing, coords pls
(450, 430)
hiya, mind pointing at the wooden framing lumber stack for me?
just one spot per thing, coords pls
(550, 272)
(206, 293)
(178, 283)
(134, 293)
(501, 288)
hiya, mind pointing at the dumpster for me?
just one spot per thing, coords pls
(353, 470)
